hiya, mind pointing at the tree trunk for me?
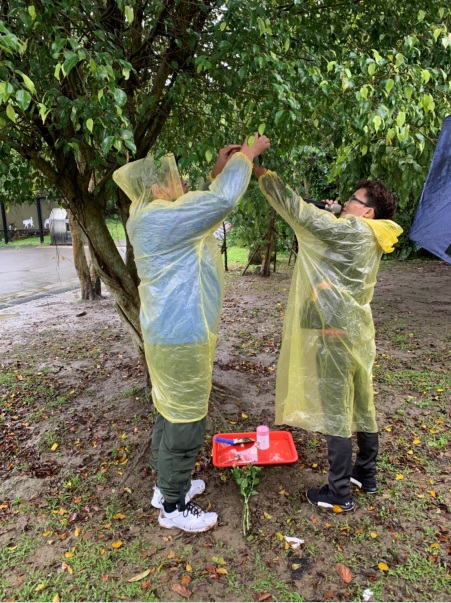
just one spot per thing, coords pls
(265, 269)
(89, 281)
(224, 247)
(107, 261)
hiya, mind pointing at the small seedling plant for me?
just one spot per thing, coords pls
(247, 478)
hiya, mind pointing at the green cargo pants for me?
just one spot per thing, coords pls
(173, 455)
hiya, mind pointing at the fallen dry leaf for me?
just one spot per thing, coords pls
(337, 509)
(344, 573)
(181, 590)
(117, 544)
(139, 576)
(264, 596)
(221, 570)
(68, 568)
(186, 579)
(382, 566)
(119, 516)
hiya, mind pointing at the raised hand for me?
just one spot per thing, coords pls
(259, 145)
(223, 156)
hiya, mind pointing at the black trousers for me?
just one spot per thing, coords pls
(339, 452)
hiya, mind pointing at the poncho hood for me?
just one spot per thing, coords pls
(386, 233)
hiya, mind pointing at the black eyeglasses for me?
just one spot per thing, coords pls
(354, 198)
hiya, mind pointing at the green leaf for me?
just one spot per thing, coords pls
(90, 124)
(377, 56)
(280, 117)
(120, 97)
(399, 59)
(437, 33)
(261, 129)
(421, 15)
(70, 62)
(107, 143)
(403, 134)
(371, 68)
(56, 73)
(28, 83)
(208, 155)
(330, 65)
(391, 133)
(23, 99)
(401, 118)
(11, 113)
(130, 145)
(389, 85)
(425, 76)
(32, 12)
(129, 14)
(43, 112)
(428, 103)
(377, 121)
(223, 25)
(408, 91)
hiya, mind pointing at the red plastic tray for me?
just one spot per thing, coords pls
(281, 450)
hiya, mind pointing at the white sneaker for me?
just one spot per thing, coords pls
(197, 487)
(192, 519)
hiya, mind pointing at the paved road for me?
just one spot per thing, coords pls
(28, 272)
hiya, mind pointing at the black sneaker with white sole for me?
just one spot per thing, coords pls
(366, 484)
(323, 497)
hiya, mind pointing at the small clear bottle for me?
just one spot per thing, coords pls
(263, 437)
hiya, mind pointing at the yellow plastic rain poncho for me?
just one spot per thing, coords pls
(180, 269)
(324, 375)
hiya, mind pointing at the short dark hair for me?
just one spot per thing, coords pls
(380, 198)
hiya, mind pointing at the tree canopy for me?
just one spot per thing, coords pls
(343, 89)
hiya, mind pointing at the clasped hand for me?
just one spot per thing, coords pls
(258, 146)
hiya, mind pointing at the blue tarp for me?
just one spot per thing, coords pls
(431, 228)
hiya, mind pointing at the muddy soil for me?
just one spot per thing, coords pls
(79, 356)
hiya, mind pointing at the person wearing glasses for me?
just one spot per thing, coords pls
(324, 374)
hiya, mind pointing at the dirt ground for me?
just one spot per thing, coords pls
(71, 379)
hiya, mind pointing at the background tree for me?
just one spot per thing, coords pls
(88, 84)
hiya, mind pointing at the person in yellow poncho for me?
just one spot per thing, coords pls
(181, 292)
(324, 374)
